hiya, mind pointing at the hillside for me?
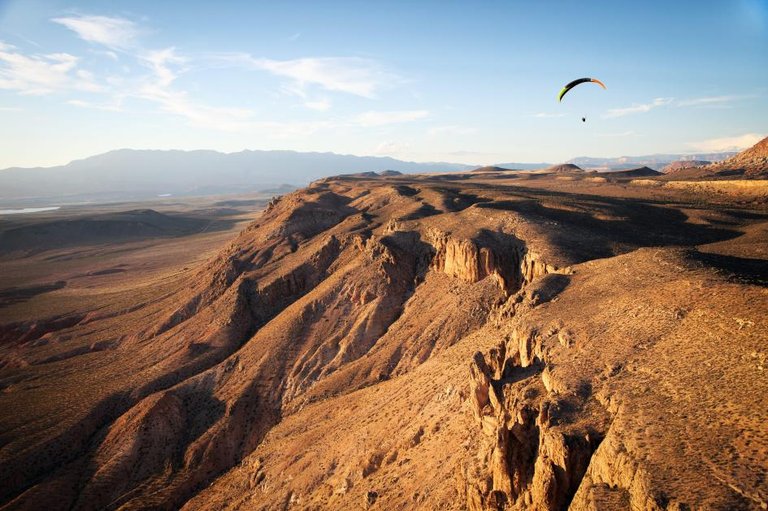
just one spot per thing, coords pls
(489, 168)
(35, 236)
(641, 172)
(683, 164)
(564, 167)
(412, 342)
(752, 163)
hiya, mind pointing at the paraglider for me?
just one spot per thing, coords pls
(573, 84)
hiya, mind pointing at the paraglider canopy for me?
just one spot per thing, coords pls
(574, 83)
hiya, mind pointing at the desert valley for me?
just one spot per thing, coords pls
(483, 340)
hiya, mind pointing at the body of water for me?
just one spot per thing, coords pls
(27, 210)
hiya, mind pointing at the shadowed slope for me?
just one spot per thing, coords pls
(409, 343)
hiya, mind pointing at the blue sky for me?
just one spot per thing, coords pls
(472, 82)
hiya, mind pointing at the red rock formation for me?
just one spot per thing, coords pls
(411, 344)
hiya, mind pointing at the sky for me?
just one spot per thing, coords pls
(469, 82)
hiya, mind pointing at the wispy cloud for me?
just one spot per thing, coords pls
(705, 101)
(151, 75)
(178, 103)
(162, 62)
(360, 77)
(42, 74)
(375, 118)
(637, 108)
(350, 75)
(712, 100)
(112, 32)
(107, 107)
(391, 148)
(437, 131)
(735, 143)
(546, 115)
(166, 65)
(320, 105)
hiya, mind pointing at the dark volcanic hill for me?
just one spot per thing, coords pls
(414, 343)
(564, 167)
(641, 172)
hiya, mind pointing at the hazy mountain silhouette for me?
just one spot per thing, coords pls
(521, 166)
(653, 161)
(128, 174)
(135, 174)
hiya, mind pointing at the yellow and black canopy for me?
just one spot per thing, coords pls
(574, 83)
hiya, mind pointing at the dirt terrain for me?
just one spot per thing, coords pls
(484, 341)
(58, 261)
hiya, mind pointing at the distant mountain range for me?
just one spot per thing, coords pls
(653, 161)
(128, 174)
(522, 166)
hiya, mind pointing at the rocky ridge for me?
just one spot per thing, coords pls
(683, 164)
(751, 163)
(406, 343)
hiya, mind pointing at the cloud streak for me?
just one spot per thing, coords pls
(164, 67)
(637, 108)
(107, 107)
(438, 131)
(375, 118)
(321, 105)
(112, 32)
(706, 101)
(349, 75)
(711, 100)
(42, 74)
(152, 75)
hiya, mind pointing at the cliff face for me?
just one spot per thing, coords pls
(410, 344)
(503, 258)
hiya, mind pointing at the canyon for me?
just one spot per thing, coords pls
(494, 340)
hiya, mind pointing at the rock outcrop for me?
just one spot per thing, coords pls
(414, 343)
(537, 456)
(683, 164)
